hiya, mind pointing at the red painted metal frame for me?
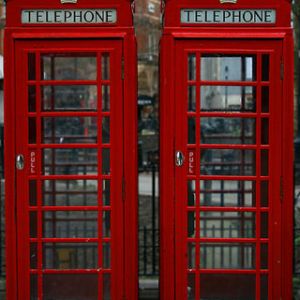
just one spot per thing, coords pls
(258, 40)
(15, 38)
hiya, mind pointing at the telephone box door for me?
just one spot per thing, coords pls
(69, 128)
(227, 174)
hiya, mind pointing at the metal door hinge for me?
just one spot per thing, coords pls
(281, 189)
(123, 68)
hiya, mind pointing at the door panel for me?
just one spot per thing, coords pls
(69, 194)
(227, 192)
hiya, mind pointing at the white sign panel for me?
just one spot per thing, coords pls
(222, 16)
(69, 16)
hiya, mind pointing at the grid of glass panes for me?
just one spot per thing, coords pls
(228, 188)
(70, 175)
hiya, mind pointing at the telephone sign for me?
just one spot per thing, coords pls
(71, 176)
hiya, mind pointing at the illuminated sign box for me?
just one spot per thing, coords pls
(222, 16)
(69, 16)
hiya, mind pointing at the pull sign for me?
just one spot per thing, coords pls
(192, 162)
(33, 161)
(69, 16)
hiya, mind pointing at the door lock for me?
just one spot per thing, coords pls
(20, 162)
(179, 159)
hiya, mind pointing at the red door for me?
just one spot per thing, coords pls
(227, 174)
(70, 165)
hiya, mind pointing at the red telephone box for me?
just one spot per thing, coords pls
(226, 150)
(70, 111)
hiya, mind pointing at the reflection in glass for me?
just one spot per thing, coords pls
(64, 66)
(192, 66)
(265, 67)
(33, 287)
(227, 224)
(32, 130)
(70, 286)
(31, 98)
(106, 224)
(106, 286)
(265, 131)
(33, 219)
(105, 98)
(224, 67)
(70, 224)
(227, 162)
(264, 162)
(70, 161)
(265, 94)
(69, 98)
(229, 287)
(31, 66)
(64, 256)
(227, 256)
(33, 256)
(191, 192)
(191, 255)
(226, 193)
(106, 193)
(32, 192)
(192, 98)
(70, 130)
(228, 98)
(105, 63)
(106, 256)
(191, 220)
(227, 131)
(264, 256)
(70, 193)
(264, 286)
(264, 227)
(105, 130)
(191, 286)
(264, 194)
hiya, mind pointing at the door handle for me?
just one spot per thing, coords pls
(20, 162)
(179, 159)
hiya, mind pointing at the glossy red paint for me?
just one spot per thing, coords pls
(180, 274)
(118, 42)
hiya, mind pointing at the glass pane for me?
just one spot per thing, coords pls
(264, 256)
(106, 224)
(191, 255)
(227, 193)
(70, 286)
(227, 162)
(106, 286)
(265, 131)
(227, 224)
(63, 256)
(72, 66)
(265, 94)
(70, 130)
(31, 66)
(73, 161)
(228, 131)
(228, 98)
(33, 219)
(33, 287)
(33, 256)
(70, 224)
(105, 63)
(106, 256)
(224, 67)
(191, 224)
(264, 286)
(264, 194)
(192, 66)
(32, 130)
(191, 286)
(191, 131)
(69, 98)
(106, 192)
(106, 161)
(227, 256)
(264, 228)
(70, 193)
(265, 68)
(264, 162)
(105, 130)
(31, 98)
(229, 287)
(191, 192)
(192, 98)
(32, 193)
(105, 98)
